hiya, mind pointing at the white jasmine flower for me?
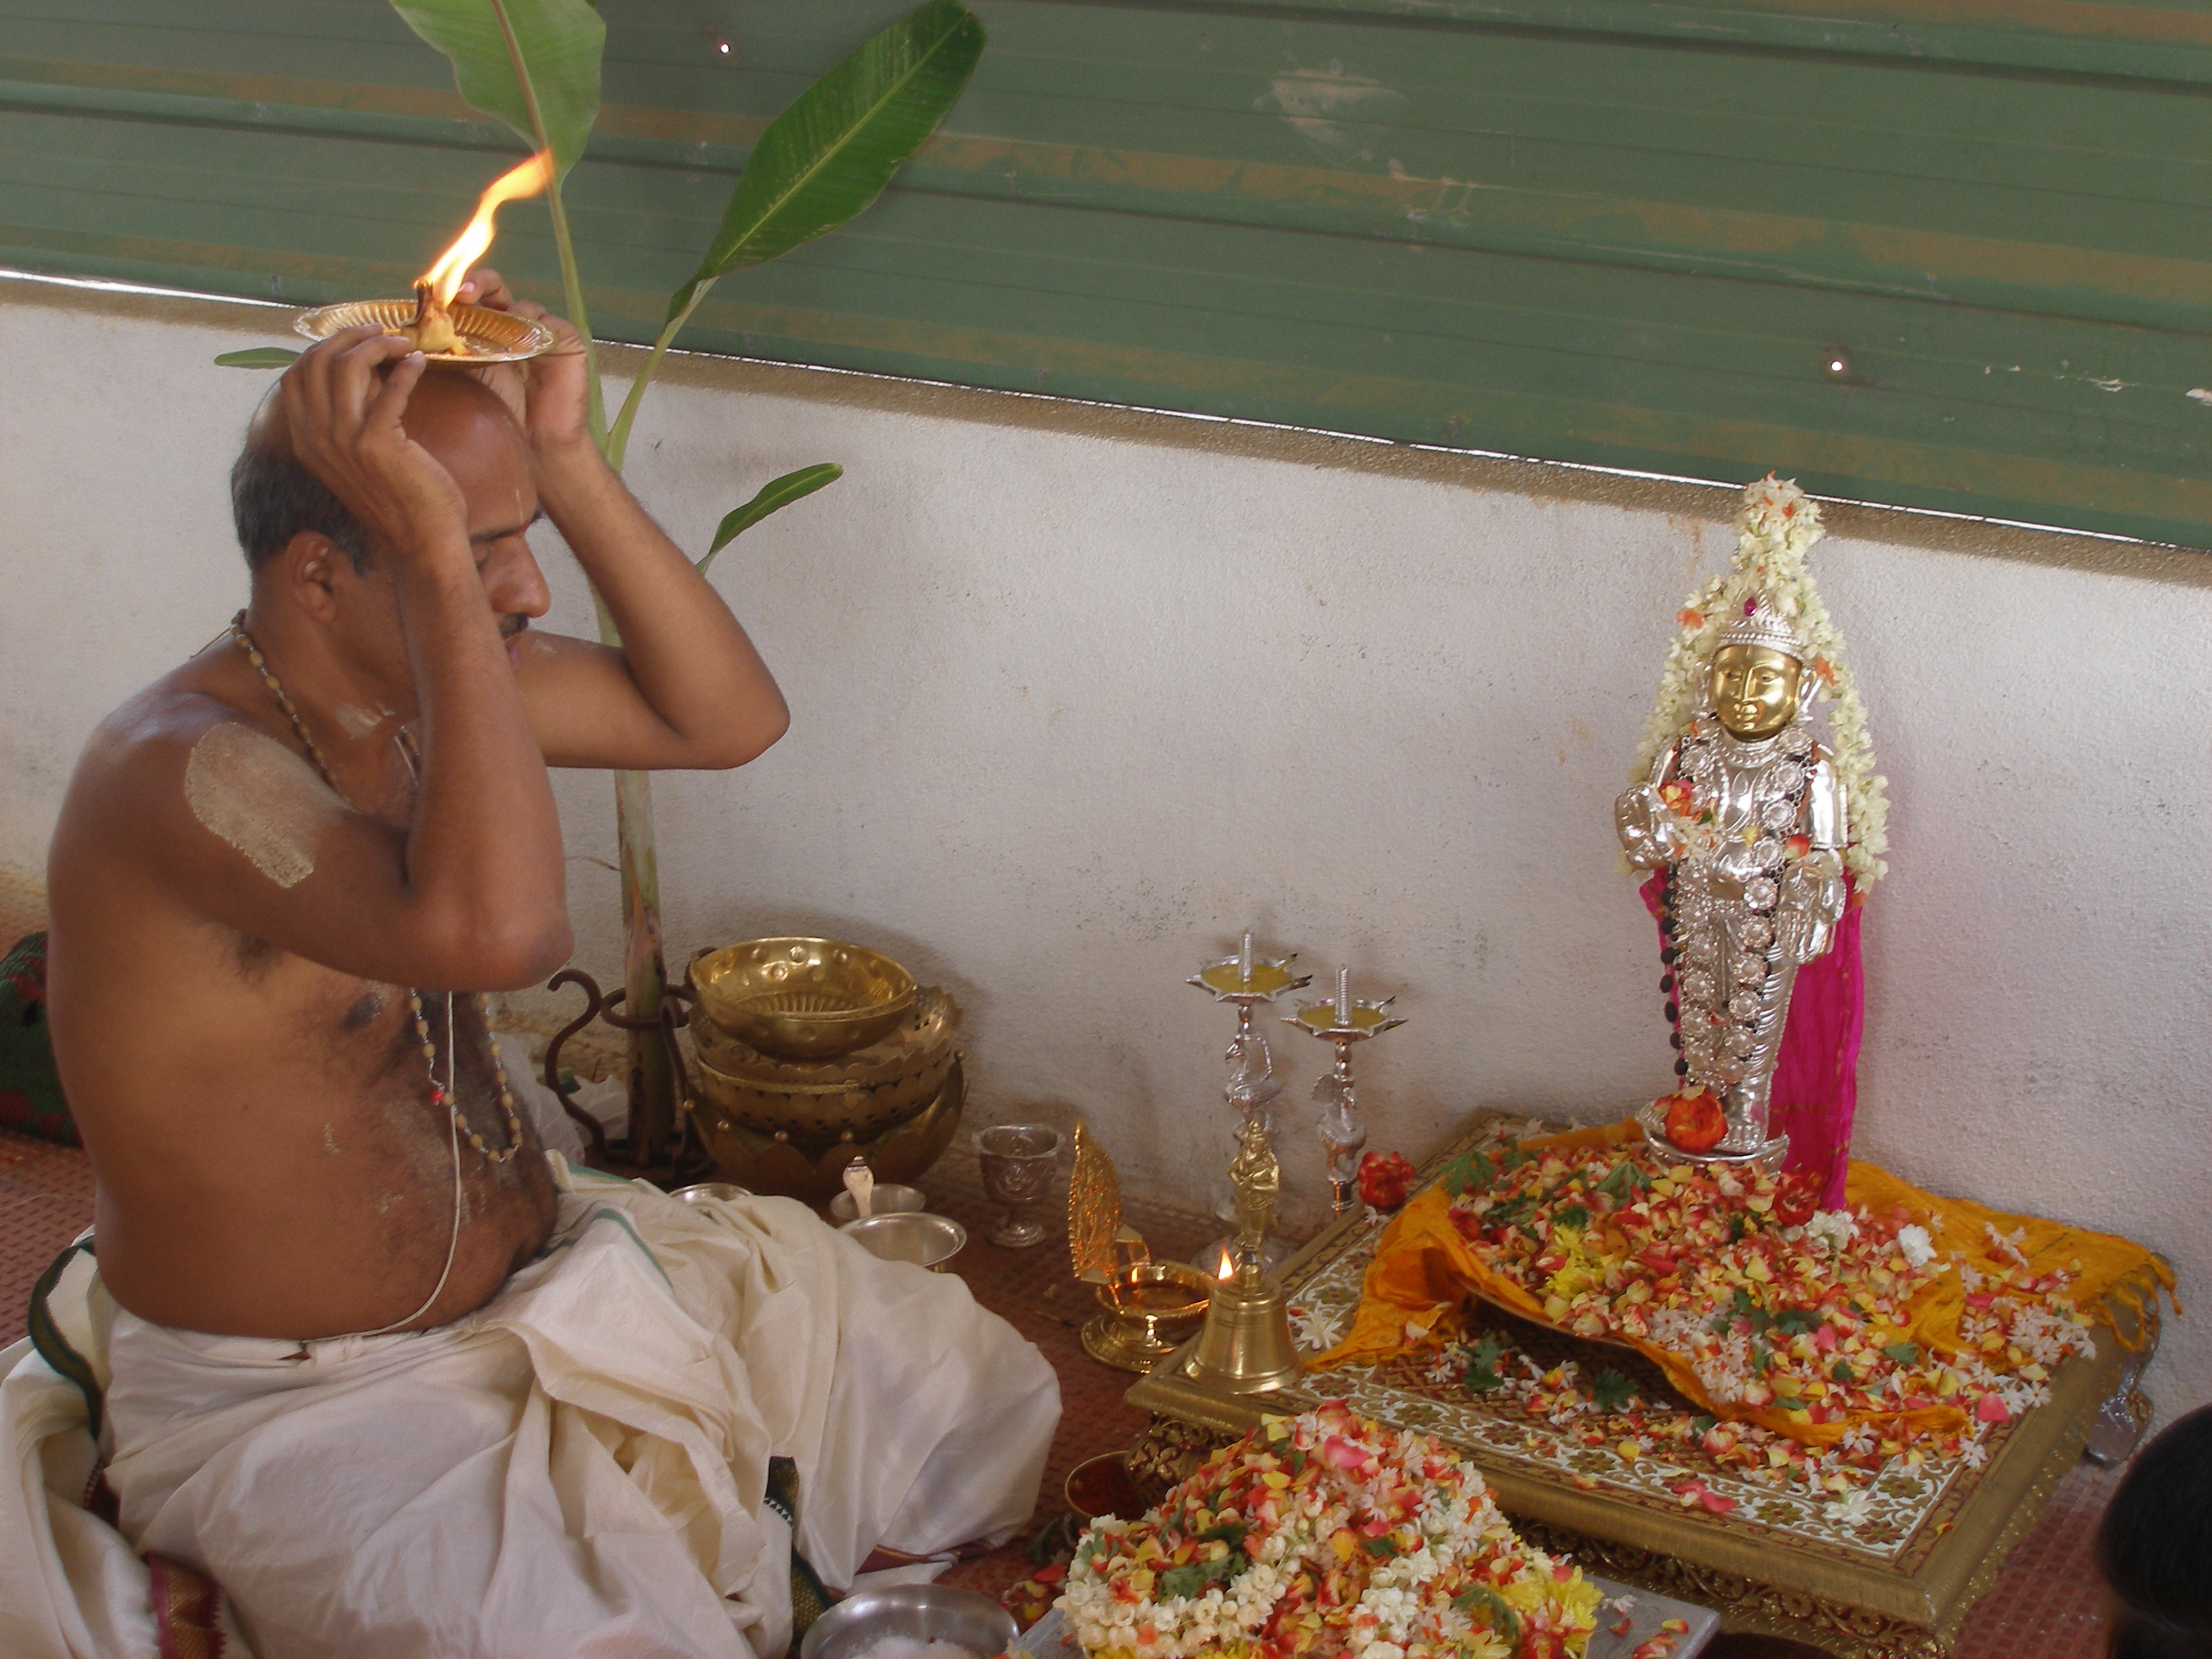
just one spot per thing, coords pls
(1917, 1249)
(1831, 1228)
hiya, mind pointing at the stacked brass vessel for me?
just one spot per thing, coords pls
(812, 1052)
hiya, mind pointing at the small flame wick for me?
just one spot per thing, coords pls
(528, 178)
(1244, 962)
(1343, 997)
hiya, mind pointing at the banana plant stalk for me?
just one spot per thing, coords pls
(535, 65)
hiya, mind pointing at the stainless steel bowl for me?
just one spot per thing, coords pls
(706, 1189)
(889, 1199)
(917, 1236)
(925, 1612)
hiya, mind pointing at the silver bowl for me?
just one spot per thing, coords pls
(917, 1236)
(889, 1199)
(925, 1612)
(706, 1189)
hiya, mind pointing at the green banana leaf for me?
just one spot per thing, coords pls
(532, 64)
(259, 357)
(835, 147)
(775, 494)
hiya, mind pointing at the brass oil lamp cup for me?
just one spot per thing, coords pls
(1150, 1308)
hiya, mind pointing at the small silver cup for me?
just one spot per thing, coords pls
(1018, 1160)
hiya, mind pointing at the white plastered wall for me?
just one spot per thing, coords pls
(1078, 695)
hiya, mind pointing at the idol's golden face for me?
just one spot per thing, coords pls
(1755, 690)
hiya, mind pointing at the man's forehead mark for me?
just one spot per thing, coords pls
(535, 519)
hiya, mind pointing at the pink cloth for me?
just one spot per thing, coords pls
(1816, 1077)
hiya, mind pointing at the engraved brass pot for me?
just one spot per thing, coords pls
(855, 1098)
(803, 999)
(827, 1111)
(812, 1168)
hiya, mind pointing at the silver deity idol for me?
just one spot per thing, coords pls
(1745, 814)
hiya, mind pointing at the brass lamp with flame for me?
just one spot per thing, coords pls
(442, 331)
(1146, 1307)
(1245, 1346)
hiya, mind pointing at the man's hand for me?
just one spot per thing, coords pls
(548, 393)
(341, 407)
(686, 689)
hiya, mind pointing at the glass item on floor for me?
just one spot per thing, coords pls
(1018, 1160)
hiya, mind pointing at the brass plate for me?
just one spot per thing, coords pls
(803, 999)
(491, 337)
(1114, 1341)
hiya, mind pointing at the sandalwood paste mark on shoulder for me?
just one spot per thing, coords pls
(256, 794)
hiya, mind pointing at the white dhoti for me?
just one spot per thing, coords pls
(580, 1466)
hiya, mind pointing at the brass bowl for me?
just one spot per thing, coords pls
(924, 1035)
(1150, 1308)
(490, 337)
(803, 999)
(1104, 1485)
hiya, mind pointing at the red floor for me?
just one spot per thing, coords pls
(2045, 1605)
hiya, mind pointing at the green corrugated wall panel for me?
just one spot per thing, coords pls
(1629, 235)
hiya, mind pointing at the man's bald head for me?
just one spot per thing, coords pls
(274, 498)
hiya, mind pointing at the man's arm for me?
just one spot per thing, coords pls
(687, 689)
(471, 896)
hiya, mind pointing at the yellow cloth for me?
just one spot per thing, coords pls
(1423, 1269)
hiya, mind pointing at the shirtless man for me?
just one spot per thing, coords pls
(400, 1383)
(235, 942)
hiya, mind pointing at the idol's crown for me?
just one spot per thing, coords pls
(1759, 625)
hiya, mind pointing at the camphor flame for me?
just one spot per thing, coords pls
(444, 276)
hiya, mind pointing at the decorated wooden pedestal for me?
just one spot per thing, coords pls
(1886, 1572)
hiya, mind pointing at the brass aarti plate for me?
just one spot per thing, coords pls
(487, 337)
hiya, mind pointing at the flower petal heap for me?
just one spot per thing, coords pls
(1900, 1318)
(1323, 1534)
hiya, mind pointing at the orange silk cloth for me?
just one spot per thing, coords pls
(1423, 1269)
